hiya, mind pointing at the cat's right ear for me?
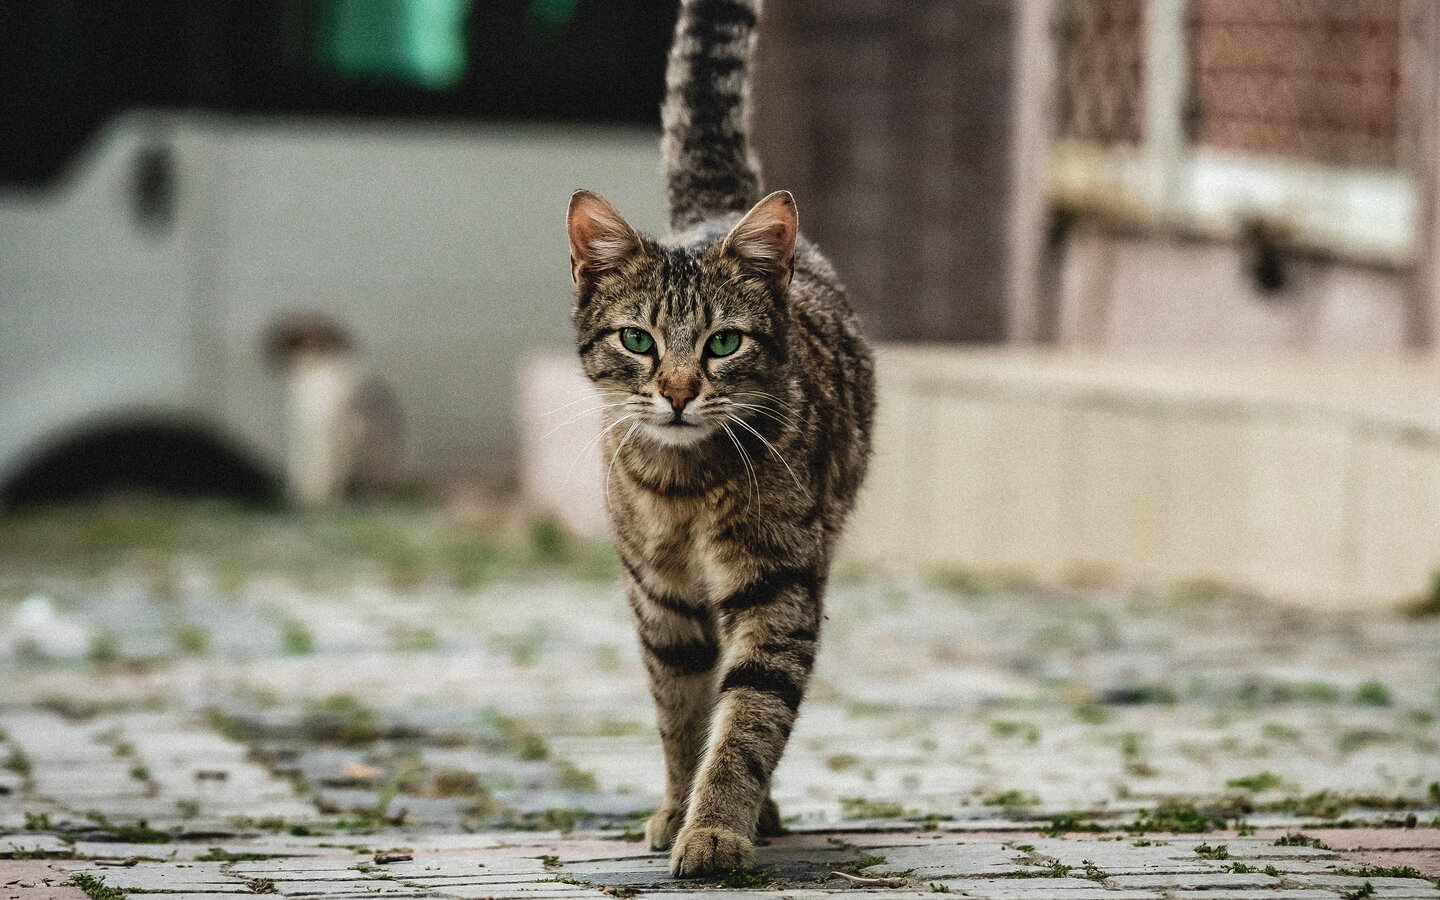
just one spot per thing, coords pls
(600, 240)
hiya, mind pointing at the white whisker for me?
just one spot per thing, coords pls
(582, 414)
(778, 455)
(589, 395)
(771, 397)
(777, 416)
(744, 458)
(616, 455)
(588, 444)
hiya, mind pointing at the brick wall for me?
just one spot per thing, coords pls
(1319, 79)
(1101, 66)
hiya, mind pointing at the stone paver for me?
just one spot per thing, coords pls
(475, 866)
(218, 737)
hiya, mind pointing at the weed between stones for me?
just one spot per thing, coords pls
(95, 887)
(741, 877)
(1300, 840)
(1368, 871)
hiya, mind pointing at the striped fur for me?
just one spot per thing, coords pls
(729, 473)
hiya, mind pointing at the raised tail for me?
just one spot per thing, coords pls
(710, 167)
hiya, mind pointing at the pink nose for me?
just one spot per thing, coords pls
(679, 388)
(679, 394)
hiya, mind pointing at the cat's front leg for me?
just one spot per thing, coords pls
(679, 648)
(770, 629)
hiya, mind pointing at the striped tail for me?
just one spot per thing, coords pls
(710, 167)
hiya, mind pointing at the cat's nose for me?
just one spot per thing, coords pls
(679, 391)
(679, 395)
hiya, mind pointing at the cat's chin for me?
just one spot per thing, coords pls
(677, 435)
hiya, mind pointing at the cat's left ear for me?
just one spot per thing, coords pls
(600, 239)
(764, 241)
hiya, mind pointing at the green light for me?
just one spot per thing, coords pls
(420, 41)
(552, 13)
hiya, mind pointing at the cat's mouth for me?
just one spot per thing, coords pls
(678, 431)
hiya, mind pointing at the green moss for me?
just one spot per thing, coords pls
(1071, 822)
(192, 639)
(508, 735)
(1259, 782)
(295, 638)
(1300, 839)
(1372, 693)
(1275, 732)
(104, 651)
(456, 783)
(341, 719)
(407, 543)
(860, 863)
(575, 779)
(1047, 867)
(18, 762)
(1178, 817)
(95, 887)
(1006, 729)
(1013, 800)
(1205, 851)
(416, 640)
(1358, 739)
(841, 762)
(862, 808)
(741, 878)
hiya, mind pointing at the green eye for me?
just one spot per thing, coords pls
(636, 341)
(723, 343)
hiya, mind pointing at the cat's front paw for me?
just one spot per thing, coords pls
(662, 826)
(709, 851)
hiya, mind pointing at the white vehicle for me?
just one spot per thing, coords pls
(142, 263)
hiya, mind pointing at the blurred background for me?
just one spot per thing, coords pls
(1154, 280)
(1153, 285)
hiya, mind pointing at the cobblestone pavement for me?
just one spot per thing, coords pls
(199, 709)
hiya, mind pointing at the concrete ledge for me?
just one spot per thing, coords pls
(1303, 478)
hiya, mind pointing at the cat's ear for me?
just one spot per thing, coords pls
(600, 240)
(764, 241)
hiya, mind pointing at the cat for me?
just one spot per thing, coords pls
(739, 397)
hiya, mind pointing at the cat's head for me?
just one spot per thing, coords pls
(683, 339)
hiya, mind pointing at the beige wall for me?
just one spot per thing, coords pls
(1311, 480)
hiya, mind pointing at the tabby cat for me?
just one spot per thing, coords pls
(739, 398)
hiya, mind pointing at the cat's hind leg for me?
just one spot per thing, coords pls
(768, 824)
